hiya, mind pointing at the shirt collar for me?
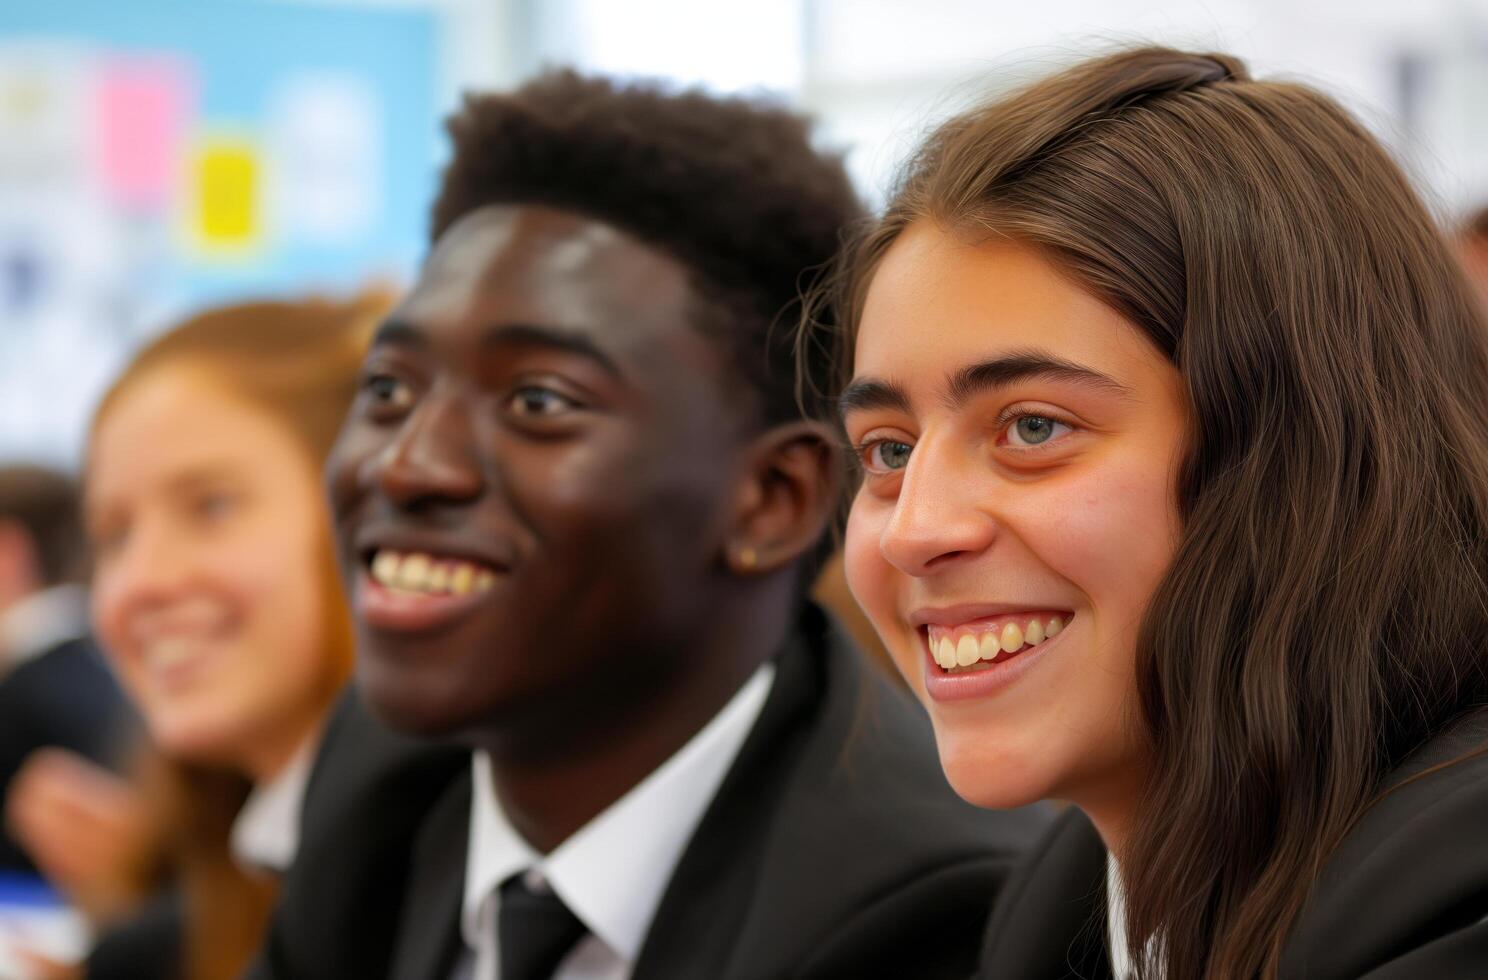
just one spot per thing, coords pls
(1121, 964)
(40, 622)
(266, 833)
(613, 871)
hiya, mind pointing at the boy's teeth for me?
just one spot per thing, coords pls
(989, 647)
(1012, 638)
(422, 573)
(463, 579)
(1055, 625)
(385, 567)
(1035, 634)
(413, 572)
(967, 652)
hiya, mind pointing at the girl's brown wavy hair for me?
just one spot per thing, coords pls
(1327, 609)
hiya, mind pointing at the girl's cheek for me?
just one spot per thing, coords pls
(863, 565)
(105, 614)
(1111, 534)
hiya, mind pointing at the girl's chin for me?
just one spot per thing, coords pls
(999, 797)
(996, 779)
(197, 744)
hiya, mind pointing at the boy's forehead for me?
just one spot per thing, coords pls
(535, 263)
(577, 279)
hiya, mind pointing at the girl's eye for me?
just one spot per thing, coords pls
(108, 540)
(1034, 430)
(885, 455)
(534, 401)
(388, 391)
(213, 506)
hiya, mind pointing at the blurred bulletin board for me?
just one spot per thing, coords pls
(160, 155)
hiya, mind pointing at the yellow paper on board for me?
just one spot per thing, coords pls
(227, 195)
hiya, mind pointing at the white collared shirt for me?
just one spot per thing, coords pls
(1121, 964)
(266, 833)
(613, 871)
(41, 621)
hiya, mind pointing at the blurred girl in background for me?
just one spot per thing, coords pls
(217, 599)
(1171, 404)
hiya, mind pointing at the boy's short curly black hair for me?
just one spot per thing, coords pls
(730, 187)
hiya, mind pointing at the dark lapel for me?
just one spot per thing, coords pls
(835, 807)
(1049, 921)
(429, 933)
(1405, 894)
(697, 924)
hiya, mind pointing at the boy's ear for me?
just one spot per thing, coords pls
(788, 497)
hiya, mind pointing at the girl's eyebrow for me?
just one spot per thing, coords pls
(868, 393)
(974, 379)
(864, 394)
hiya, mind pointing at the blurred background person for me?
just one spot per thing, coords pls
(216, 598)
(55, 689)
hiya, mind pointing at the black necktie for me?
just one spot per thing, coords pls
(534, 931)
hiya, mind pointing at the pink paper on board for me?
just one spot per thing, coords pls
(143, 109)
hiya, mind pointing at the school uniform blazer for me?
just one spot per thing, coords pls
(64, 698)
(369, 791)
(833, 848)
(1403, 897)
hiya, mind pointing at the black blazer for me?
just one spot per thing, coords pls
(148, 944)
(834, 848)
(369, 791)
(64, 698)
(1403, 897)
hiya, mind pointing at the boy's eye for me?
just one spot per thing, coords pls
(389, 391)
(533, 400)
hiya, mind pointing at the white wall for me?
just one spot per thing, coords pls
(877, 72)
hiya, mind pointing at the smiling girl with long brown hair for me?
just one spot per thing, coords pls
(1171, 405)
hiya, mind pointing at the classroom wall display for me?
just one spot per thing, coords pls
(158, 156)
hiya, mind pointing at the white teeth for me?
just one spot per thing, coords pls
(966, 648)
(385, 567)
(945, 653)
(462, 579)
(422, 573)
(413, 572)
(167, 653)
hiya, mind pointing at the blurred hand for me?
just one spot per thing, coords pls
(89, 832)
(44, 968)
